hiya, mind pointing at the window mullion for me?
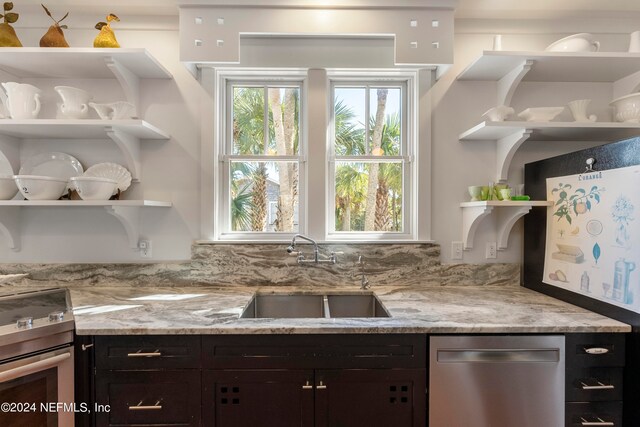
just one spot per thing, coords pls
(367, 114)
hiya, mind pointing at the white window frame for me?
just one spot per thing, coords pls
(224, 150)
(407, 81)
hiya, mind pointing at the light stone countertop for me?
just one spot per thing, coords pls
(124, 310)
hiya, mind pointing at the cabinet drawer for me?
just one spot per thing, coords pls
(607, 350)
(147, 352)
(168, 398)
(593, 384)
(314, 351)
(580, 414)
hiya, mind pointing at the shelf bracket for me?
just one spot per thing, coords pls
(471, 217)
(129, 217)
(506, 148)
(129, 145)
(508, 84)
(10, 226)
(129, 81)
(506, 219)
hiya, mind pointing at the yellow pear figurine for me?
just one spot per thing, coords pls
(8, 36)
(106, 37)
(55, 36)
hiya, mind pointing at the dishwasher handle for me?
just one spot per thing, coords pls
(499, 355)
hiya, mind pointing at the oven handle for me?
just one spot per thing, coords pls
(34, 367)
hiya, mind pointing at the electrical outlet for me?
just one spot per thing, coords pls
(491, 252)
(145, 248)
(456, 250)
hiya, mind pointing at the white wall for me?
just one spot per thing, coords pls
(172, 168)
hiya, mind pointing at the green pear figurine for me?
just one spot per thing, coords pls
(54, 36)
(8, 36)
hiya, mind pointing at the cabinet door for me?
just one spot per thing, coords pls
(144, 398)
(248, 398)
(371, 398)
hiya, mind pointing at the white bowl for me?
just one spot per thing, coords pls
(540, 114)
(35, 187)
(499, 113)
(93, 188)
(582, 42)
(8, 188)
(627, 108)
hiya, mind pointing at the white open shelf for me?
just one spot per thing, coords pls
(507, 213)
(554, 66)
(79, 62)
(126, 134)
(125, 211)
(127, 65)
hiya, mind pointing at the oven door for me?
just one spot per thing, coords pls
(37, 391)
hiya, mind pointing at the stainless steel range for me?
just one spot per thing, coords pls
(36, 359)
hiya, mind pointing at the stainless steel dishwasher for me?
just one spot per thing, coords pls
(496, 381)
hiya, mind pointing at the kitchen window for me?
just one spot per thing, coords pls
(337, 160)
(262, 173)
(370, 165)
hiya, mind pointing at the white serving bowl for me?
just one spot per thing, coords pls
(582, 42)
(34, 187)
(499, 113)
(93, 188)
(627, 108)
(540, 114)
(8, 188)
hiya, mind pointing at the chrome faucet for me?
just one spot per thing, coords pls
(364, 282)
(316, 253)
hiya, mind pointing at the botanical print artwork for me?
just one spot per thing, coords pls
(593, 239)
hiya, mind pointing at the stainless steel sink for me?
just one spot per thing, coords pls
(356, 306)
(280, 306)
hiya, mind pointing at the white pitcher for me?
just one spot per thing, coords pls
(74, 102)
(634, 42)
(21, 100)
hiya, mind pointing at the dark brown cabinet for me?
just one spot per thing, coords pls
(315, 381)
(148, 380)
(285, 380)
(594, 374)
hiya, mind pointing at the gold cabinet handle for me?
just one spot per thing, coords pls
(598, 386)
(307, 386)
(141, 407)
(156, 353)
(321, 386)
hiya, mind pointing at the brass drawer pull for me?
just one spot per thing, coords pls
(307, 386)
(599, 386)
(156, 353)
(321, 386)
(596, 350)
(600, 422)
(141, 407)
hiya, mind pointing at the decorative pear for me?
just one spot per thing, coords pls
(8, 36)
(106, 37)
(54, 36)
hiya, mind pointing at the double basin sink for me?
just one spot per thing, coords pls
(278, 306)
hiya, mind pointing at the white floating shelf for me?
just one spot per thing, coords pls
(507, 213)
(127, 212)
(79, 62)
(554, 66)
(78, 129)
(553, 131)
(509, 136)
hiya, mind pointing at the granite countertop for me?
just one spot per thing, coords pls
(124, 310)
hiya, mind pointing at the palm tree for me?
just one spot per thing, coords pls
(389, 179)
(248, 138)
(376, 143)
